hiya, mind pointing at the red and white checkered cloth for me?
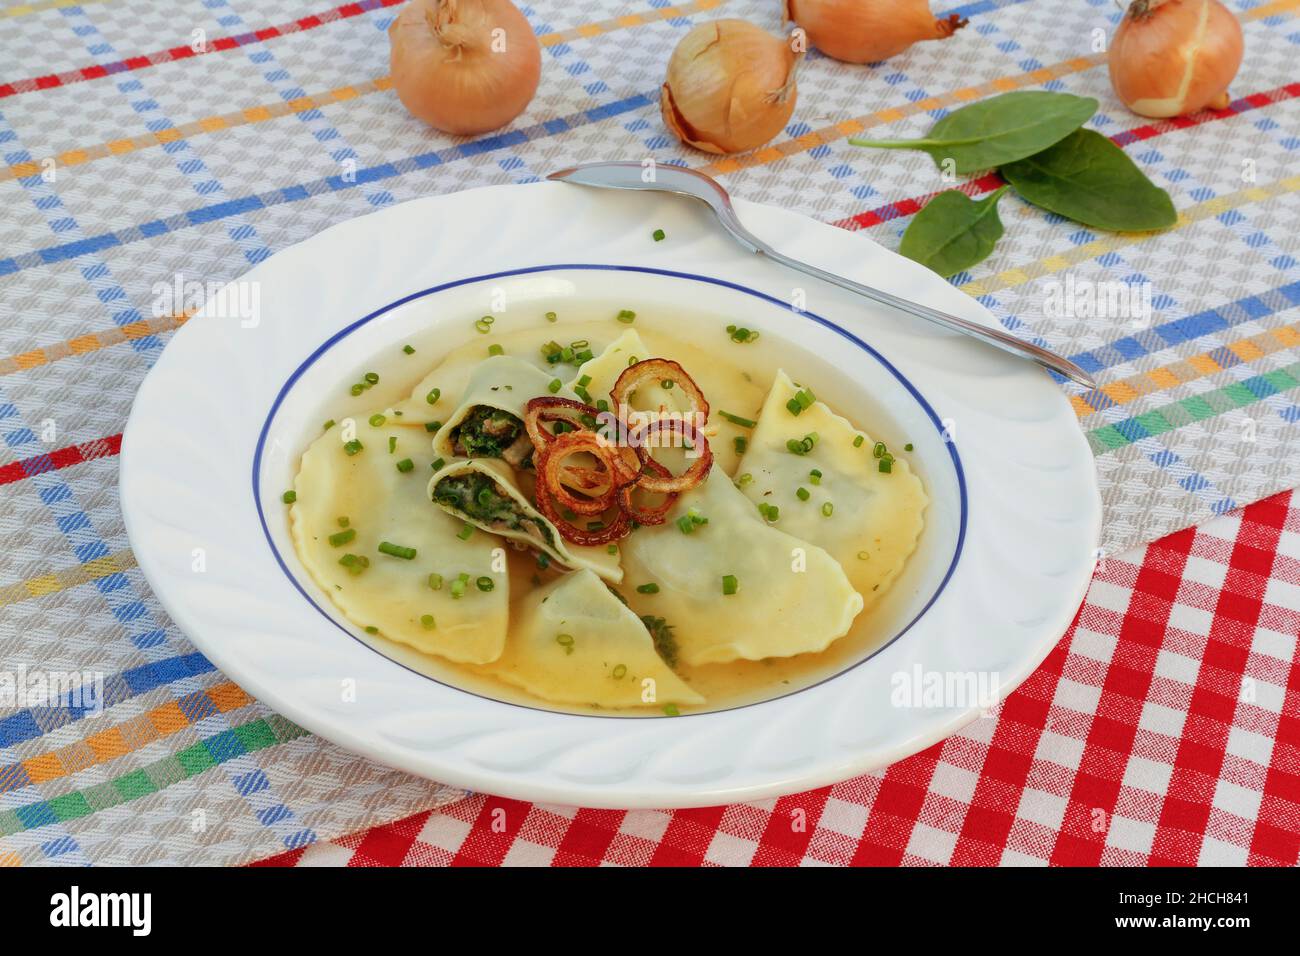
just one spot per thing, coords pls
(1163, 729)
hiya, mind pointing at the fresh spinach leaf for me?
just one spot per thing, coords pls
(998, 130)
(953, 232)
(1087, 178)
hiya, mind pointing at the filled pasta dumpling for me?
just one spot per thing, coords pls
(574, 642)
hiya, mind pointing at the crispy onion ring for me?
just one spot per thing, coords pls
(552, 495)
(654, 371)
(688, 479)
(647, 516)
(551, 475)
(544, 409)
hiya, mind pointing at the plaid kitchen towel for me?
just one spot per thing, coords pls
(1164, 729)
(143, 141)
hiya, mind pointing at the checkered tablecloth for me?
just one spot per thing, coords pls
(141, 141)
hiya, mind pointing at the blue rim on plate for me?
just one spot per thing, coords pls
(668, 273)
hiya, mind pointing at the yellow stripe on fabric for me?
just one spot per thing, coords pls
(36, 6)
(1111, 243)
(56, 581)
(252, 115)
(92, 342)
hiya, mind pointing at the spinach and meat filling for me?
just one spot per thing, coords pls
(481, 499)
(488, 432)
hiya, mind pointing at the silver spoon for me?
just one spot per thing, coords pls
(688, 182)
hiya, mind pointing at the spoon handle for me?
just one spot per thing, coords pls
(994, 337)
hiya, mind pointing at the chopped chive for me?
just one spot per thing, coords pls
(863, 556)
(465, 532)
(602, 405)
(458, 586)
(658, 235)
(340, 538)
(729, 584)
(371, 629)
(357, 389)
(484, 325)
(396, 550)
(355, 563)
(857, 442)
(427, 622)
(878, 450)
(740, 443)
(737, 420)
(371, 378)
(432, 426)
(685, 524)
(405, 465)
(578, 344)
(886, 466)
(565, 641)
(584, 381)
(769, 512)
(437, 463)
(408, 349)
(555, 386)
(352, 447)
(670, 710)
(815, 476)
(619, 672)
(485, 583)
(631, 360)
(289, 497)
(328, 425)
(794, 407)
(435, 582)
(827, 509)
(433, 396)
(626, 316)
(803, 494)
(611, 549)
(582, 393)
(551, 316)
(392, 444)
(744, 479)
(907, 447)
(595, 525)
(496, 350)
(647, 588)
(343, 521)
(586, 355)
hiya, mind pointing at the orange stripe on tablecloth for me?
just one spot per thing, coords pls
(252, 115)
(114, 742)
(91, 342)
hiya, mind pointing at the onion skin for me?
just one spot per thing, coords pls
(446, 72)
(730, 87)
(1174, 57)
(866, 31)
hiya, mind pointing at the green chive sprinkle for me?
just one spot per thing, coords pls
(803, 494)
(432, 426)
(437, 463)
(484, 325)
(372, 629)
(555, 386)
(907, 447)
(611, 549)
(863, 556)
(737, 420)
(352, 447)
(565, 641)
(465, 532)
(886, 466)
(433, 396)
(741, 334)
(427, 622)
(405, 465)
(343, 521)
(371, 378)
(496, 350)
(408, 349)
(328, 425)
(355, 563)
(396, 550)
(740, 442)
(827, 509)
(744, 479)
(340, 538)
(647, 589)
(670, 710)
(485, 583)
(794, 407)
(435, 582)
(685, 524)
(857, 442)
(658, 235)
(729, 584)
(878, 450)
(769, 512)
(626, 316)
(357, 389)
(815, 476)
(289, 497)
(551, 316)
(458, 586)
